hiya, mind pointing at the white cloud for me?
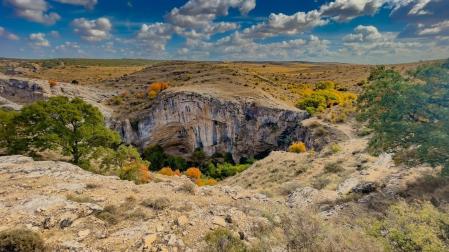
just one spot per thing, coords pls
(199, 15)
(33, 10)
(425, 18)
(92, 30)
(367, 40)
(8, 35)
(281, 24)
(239, 47)
(155, 36)
(346, 10)
(39, 40)
(68, 46)
(441, 28)
(88, 4)
(363, 34)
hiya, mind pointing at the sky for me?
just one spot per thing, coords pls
(353, 31)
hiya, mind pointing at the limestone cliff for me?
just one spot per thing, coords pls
(181, 120)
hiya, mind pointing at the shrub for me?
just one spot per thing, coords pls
(167, 171)
(221, 240)
(152, 94)
(335, 148)
(206, 182)
(221, 171)
(187, 186)
(21, 240)
(52, 83)
(193, 172)
(334, 167)
(326, 85)
(320, 183)
(159, 159)
(110, 214)
(157, 204)
(413, 227)
(155, 88)
(116, 100)
(297, 147)
(136, 171)
(321, 99)
(79, 199)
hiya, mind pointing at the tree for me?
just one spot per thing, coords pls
(69, 125)
(8, 133)
(408, 114)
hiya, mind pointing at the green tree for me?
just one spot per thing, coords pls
(70, 125)
(409, 114)
(8, 132)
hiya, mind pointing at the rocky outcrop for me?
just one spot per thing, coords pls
(20, 90)
(181, 121)
(74, 210)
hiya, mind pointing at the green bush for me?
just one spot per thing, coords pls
(221, 171)
(20, 240)
(413, 227)
(222, 240)
(159, 159)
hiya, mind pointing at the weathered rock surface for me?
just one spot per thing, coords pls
(181, 121)
(21, 90)
(64, 204)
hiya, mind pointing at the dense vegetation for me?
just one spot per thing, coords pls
(324, 95)
(72, 128)
(409, 116)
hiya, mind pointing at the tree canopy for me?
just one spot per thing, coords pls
(409, 114)
(59, 123)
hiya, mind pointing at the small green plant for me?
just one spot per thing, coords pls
(21, 240)
(335, 148)
(222, 240)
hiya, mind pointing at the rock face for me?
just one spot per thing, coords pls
(20, 90)
(182, 121)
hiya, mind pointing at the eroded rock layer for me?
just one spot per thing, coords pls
(181, 121)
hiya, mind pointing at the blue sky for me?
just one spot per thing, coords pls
(357, 31)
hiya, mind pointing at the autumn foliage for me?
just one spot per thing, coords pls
(193, 172)
(52, 83)
(206, 182)
(155, 88)
(136, 171)
(167, 171)
(297, 147)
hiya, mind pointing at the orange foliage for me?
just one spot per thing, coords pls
(143, 175)
(135, 171)
(157, 87)
(193, 172)
(167, 171)
(178, 172)
(206, 182)
(52, 83)
(297, 147)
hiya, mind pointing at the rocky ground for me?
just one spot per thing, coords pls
(75, 210)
